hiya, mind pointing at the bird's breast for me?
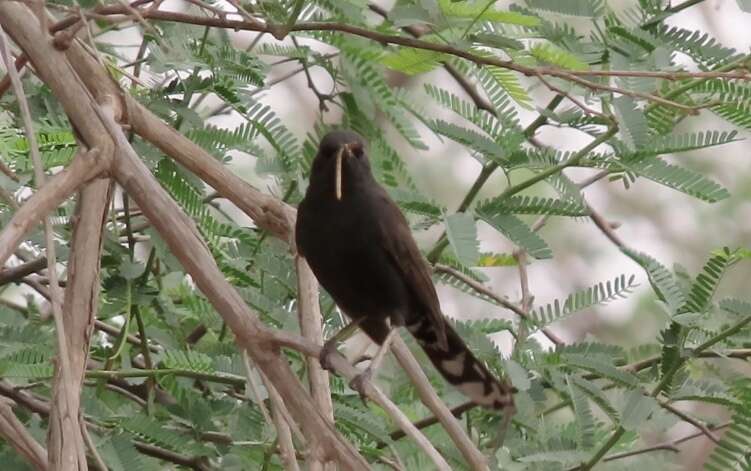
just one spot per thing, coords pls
(342, 242)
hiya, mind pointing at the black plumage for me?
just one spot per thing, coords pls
(359, 246)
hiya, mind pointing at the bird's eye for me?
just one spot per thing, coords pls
(357, 150)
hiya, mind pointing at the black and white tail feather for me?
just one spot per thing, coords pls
(458, 365)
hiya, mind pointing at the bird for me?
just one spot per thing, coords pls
(359, 246)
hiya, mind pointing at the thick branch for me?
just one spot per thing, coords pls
(267, 212)
(80, 306)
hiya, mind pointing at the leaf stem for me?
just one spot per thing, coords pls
(223, 378)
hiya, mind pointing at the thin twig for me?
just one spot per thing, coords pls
(668, 445)
(575, 76)
(480, 288)
(571, 98)
(456, 411)
(311, 321)
(14, 274)
(252, 389)
(17, 436)
(90, 37)
(687, 418)
(133, 11)
(322, 97)
(20, 63)
(283, 426)
(98, 461)
(67, 403)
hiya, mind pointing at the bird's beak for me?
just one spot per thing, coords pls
(344, 151)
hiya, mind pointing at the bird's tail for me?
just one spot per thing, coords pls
(460, 367)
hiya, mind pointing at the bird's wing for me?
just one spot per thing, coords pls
(396, 239)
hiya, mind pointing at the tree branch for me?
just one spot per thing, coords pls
(429, 397)
(80, 306)
(480, 288)
(575, 76)
(311, 321)
(14, 274)
(18, 437)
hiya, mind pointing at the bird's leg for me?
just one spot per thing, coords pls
(358, 382)
(329, 348)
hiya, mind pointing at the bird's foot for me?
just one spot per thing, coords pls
(360, 382)
(328, 350)
(361, 359)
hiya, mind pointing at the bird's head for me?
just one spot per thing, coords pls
(341, 160)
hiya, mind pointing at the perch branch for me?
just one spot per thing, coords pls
(429, 397)
(311, 321)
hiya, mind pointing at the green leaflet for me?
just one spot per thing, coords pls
(661, 279)
(636, 409)
(523, 204)
(551, 54)
(587, 8)
(462, 235)
(705, 285)
(601, 367)
(678, 178)
(480, 11)
(412, 61)
(600, 293)
(516, 231)
(585, 422)
(633, 123)
(120, 454)
(732, 451)
(471, 139)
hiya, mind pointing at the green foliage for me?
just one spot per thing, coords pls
(706, 283)
(585, 422)
(601, 293)
(462, 235)
(534, 205)
(678, 178)
(412, 61)
(551, 54)
(516, 231)
(732, 451)
(572, 7)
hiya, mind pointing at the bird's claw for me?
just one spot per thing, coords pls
(360, 382)
(328, 350)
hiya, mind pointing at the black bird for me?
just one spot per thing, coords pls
(359, 246)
